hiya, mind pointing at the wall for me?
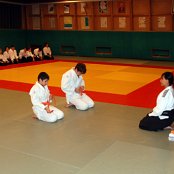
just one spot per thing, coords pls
(114, 15)
(12, 37)
(141, 45)
(107, 44)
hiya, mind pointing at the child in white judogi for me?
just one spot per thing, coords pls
(1, 58)
(29, 54)
(47, 53)
(37, 54)
(6, 55)
(41, 98)
(72, 84)
(23, 55)
(13, 54)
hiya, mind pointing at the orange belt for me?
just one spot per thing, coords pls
(46, 103)
(81, 91)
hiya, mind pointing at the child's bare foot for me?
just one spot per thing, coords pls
(168, 128)
(34, 117)
(172, 126)
(69, 105)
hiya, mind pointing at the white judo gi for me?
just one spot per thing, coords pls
(47, 51)
(165, 102)
(13, 54)
(6, 55)
(37, 52)
(39, 95)
(70, 81)
(162, 115)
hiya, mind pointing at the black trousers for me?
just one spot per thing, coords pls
(37, 58)
(153, 123)
(46, 57)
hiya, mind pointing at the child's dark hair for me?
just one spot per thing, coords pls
(43, 76)
(6, 47)
(168, 76)
(46, 43)
(81, 67)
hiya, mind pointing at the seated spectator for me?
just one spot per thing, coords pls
(6, 55)
(13, 54)
(37, 54)
(30, 56)
(23, 55)
(47, 53)
(2, 62)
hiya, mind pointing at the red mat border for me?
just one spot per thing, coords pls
(84, 61)
(142, 97)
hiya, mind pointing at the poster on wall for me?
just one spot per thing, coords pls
(122, 22)
(51, 9)
(35, 9)
(103, 22)
(66, 8)
(52, 22)
(36, 23)
(161, 20)
(142, 22)
(121, 7)
(85, 22)
(172, 6)
(83, 7)
(103, 6)
(67, 22)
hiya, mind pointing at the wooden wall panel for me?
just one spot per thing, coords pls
(122, 7)
(118, 15)
(85, 8)
(141, 23)
(141, 7)
(85, 23)
(49, 23)
(103, 23)
(49, 9)
(122, 23)
(36, 23)
(66, 9)
(67, 23)
(102, 7)
(29, 23)
(160, 7)
(28, 17)
(162, 23)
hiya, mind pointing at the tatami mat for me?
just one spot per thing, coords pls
(103, 140)
(115, 79)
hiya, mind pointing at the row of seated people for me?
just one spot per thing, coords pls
(10, 56)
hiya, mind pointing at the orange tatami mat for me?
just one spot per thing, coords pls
(105, 82)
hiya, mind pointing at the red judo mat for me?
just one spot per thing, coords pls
(142, 97)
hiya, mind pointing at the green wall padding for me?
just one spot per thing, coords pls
(137, 45)
(123, 44)
(12, 37)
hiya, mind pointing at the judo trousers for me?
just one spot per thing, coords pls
(154, 123)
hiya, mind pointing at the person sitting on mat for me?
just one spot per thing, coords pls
(72, 84)
(41, 99)
(47, 53)
(162, 115)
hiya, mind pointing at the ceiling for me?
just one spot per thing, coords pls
(30, 1)
(40, 1)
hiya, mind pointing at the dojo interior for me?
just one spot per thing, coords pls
(124, 58)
